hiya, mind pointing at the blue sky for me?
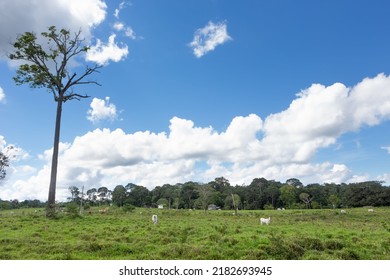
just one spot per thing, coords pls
(193, 90)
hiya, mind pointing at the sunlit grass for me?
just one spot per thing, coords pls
(183, 234)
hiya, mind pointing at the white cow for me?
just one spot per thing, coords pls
(342, 211)
(154, 219)
(370, 210)
(265, 221)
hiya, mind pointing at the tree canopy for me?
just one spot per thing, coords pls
(192, 195)
(262, 194)
(47, 66)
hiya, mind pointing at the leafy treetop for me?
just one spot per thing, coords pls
(49, 67)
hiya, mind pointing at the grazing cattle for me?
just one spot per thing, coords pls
(342, 211)
(265, 221)
(154, 219)
(370, 210)
(103, 211)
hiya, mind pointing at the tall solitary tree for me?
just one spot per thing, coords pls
(47, 65)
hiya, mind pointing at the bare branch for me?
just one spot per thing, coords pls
(75, 96)
(87, 72)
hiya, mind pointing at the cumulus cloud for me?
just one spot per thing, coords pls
(206, 39)
(102, 53)
(2, 95)
(279, 147)
(321, 114)
(101, 109)
(38, 15)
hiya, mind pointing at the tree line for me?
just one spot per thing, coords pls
(259, 194)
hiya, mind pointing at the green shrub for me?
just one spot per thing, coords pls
(128, 208)
(72, 209)
(268, 206)
(310, 243)
(333, 244)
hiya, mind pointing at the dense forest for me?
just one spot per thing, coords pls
(260, 194)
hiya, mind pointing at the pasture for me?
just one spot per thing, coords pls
(196, 235)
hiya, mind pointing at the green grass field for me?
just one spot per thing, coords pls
(183, 234)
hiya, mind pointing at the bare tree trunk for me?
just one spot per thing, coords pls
(50, 212)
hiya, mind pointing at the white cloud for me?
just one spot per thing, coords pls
(387, 149)
(38, 15)
(89, 12)
(120, 8)
(47, 155)
(102, 53)
(321, 114)
(279, 147)
(116, 13)
(358, 178)
(2, 142)
(69, 14)
(370, 101)
(13, 152)
(101, 109)
(2, 95)
(385, 178)
(206, 39)
(128, 31)
(119, 26)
